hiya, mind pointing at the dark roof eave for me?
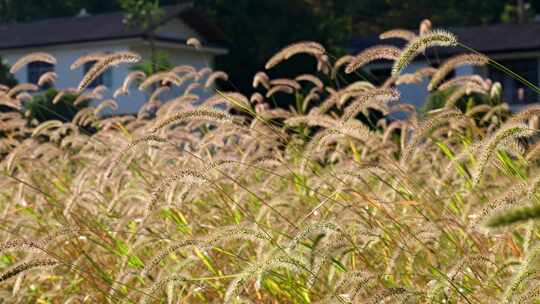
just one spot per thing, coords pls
(103, 27)
(184, 42)
(122, 37)
(494, 39)
(73, 41)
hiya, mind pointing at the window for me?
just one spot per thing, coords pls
(36, 69)
(104, 78)
(515, 92)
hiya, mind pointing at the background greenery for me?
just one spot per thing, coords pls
(255, 29)
(42, 108)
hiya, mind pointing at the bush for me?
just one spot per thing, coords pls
(41, 107)
(7, 79)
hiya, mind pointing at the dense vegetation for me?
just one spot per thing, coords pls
(232, 200)
(254, 29)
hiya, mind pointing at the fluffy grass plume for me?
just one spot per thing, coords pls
(104, 63)
(96, 56)
(215, 76)
(453, 63)
(161, 78)
(488, 148)
(420, 44)
(21, 88)
(194, 42)
(200, 113)
(32, 57)
(37, 263)
(398, 33)
(130, 78)
(49, 77)
(373, 53)
(306, 47)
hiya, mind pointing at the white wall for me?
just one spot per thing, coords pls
(65, 55)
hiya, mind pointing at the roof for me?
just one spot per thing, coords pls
(99, 28)
(488, 39)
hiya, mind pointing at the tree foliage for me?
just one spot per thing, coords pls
(141, 13)
(161, 63)
(6, 78)
(29, 10)
(256, 29)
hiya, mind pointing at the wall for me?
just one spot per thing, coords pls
(177, 57)
(177, 29)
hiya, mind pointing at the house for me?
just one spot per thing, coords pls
(70, 38)
(515, 46)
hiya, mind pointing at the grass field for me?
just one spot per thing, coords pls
(229, 200)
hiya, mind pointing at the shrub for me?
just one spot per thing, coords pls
(42, 108)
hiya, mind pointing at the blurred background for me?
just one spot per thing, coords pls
(255, 29)
(240, 35)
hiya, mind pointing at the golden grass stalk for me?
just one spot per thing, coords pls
(103, 64)
(453, 63)
(398, 33)
(194, 42)
(420, 44)
(489, 147)
(206, 114)
(49, 77)
(306, 47)
(215, 76)
(368, 55)
(96, 56)
(37, 263)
